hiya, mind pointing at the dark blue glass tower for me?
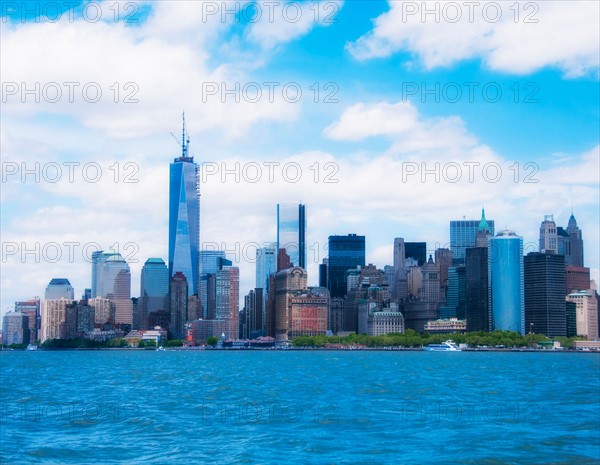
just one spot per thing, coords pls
(345, 253)
(184, 216)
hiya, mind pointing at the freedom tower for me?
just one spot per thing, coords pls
(184, 216)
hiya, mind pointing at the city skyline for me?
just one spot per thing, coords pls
(365, 135)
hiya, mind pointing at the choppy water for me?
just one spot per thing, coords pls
(310, 407)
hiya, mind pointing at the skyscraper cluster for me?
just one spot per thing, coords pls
(483, 282)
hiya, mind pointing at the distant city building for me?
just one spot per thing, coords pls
(449, 325)
(285, 283)
(104, 312)
(416, 250)
(184, 216)
(455, 306)
(345, 252)
(548, 235)
(54, 318)
(154, 289)
(443, 261)
(577, 278)
(266, 265)
(255, 317)
(113, 281)
(203, 329)
(228, 299)
(414, 280)
(337, 315)
(505, 270)
(477, 304)
(308, 313)
(571, 317)
(96, 258)
(576, 242)
(59, 288)
(399, 282)
(323, 274)
(31, 308)
(463, 235)
(178, 292)
(484, 232)
(430, 289)
(15, 328)
(586, 313)
(291, 232)
(385, 320)
(211, 261)
(544, 275)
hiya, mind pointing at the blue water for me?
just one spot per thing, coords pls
(309, 407)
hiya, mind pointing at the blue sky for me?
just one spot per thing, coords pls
(373, 58)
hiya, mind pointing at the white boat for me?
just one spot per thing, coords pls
(32, 347)
(448, 346)
(160, 349)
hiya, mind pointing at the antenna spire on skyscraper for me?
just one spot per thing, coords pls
(184, 142)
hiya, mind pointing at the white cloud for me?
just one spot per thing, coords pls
(280, 22)
(565, 35)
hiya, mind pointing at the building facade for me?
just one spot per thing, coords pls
(506, 282)
(154, 289)
(184, 216)
(463, 235)
(345, 253)
(291, 233)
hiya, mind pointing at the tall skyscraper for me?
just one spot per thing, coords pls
(184, 216)
(463, 234)
(211, 261)
(548, 235)
(505, 269)
(154, 289)
(178, 294)
(576, 242)
(456, 295)
(443, 260)
(96, 257)
(291, 232)
(578, 278)
(113, 282)
(345, 253)
(228, 299)
(266, 265)
(477, 290)
(54, 317)
(399, 284)
(545, 294)
(59, 288)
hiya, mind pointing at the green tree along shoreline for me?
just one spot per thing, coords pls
(411, 339)
(507, 339)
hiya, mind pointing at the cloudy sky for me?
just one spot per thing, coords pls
(382, 118)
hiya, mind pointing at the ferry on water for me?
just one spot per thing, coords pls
(448, 346)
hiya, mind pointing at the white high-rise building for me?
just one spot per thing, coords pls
(548, 235)
(113, 282)
(586, 313)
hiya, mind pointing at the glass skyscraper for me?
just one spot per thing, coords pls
(345, 253)
(184, 217)
(506, 282)
(113, 281)
(291, 232)
(266, 265)
(154, 288)
(59, 288)
(463, 235)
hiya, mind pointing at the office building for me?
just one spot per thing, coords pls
(178, 294)
(586, 313)
(345, 253)
(15, 328)
(59, 288)
(505, 271)
(545, 310)
(477, 304)
(416, 251)
(576, 242)
(463, 235)
(291, 233)
(184, 216)
(227, 301)
(577, 278)
(31, 308)
(548, 235)
(54, 318)
(154, 289)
